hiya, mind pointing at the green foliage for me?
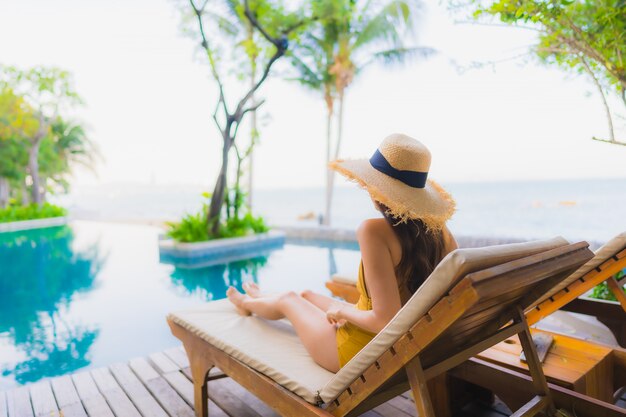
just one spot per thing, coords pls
(579, 35)
(195, 227)
(603, 292)
(32, 105)
(350, 35)
(14, 213)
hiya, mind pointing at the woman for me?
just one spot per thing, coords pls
(398, 252)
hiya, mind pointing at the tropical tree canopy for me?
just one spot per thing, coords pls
(348, 37)
(585, 36)
(38, 144)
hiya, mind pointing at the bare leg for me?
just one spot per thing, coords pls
(317, 335)
(323, 302)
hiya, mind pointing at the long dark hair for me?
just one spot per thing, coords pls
(422, 250)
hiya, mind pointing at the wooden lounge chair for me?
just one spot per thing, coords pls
(608, 260)
(474, 299)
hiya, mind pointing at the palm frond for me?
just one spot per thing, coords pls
(398, 56)
(385, 25)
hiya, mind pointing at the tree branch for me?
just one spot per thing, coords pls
(253, 20)
(601, 90)
(252, 108)
(612, 141)
(205, 44)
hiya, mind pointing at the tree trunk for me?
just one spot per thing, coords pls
(4, 192)
(33, 168)
(24, 195)
(329, 130)
(217, 198)
(331, 182)
(253, 126)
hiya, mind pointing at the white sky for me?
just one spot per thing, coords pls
(149, 101)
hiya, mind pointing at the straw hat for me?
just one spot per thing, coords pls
(396, 176)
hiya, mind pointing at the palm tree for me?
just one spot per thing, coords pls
(66, 146)
(357, 34)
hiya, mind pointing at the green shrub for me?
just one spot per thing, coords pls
(16, 213)
(603, 292)
(194, 227)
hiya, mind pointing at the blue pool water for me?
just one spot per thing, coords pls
(92, 294)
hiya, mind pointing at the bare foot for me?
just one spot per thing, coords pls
(237, 299)
(252, 289)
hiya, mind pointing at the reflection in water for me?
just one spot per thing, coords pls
(39, 275)
(213, 281)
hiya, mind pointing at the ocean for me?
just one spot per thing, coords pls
(589, 209)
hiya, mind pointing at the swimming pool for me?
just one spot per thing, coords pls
(91, 294)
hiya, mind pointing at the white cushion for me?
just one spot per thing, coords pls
(270, 347)
(450, 270)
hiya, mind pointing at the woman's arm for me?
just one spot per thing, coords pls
(380, 280)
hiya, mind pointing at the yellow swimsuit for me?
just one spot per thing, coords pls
(350, 337)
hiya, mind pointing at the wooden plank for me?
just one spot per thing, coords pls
(181, 385)
(4, 412)
(184, 387)
(43, 400)
(248, 398)
(137, 393)
(178, 356)
(160, 389)
(228, 401)
(120, 404)
(64, 391)
(388, 410)
(142, 368)
(163, 364)
(501, 381)
(93, 401)
(405, 404)
(18, 403)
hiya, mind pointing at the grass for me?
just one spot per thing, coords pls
(16, 213)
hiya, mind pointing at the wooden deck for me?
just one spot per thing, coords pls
(160, 386)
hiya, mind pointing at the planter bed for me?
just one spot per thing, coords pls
(32, 224)
(200, 254)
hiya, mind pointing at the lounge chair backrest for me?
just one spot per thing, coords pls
(449, 272)
(606, 251)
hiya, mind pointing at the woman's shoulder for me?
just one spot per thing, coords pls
(373, 228)
(449, 240)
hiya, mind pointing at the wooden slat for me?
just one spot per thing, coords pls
(184, 387)
(178, 356)
(160, 389)
(43, 401)
(404, 404)
(388, 410)
(92, 399)
(3, 404)
(499, 380)
(163, 364)
(247, 398)
(64, 391)
(137, 393)
(114, 394)
(18, 403)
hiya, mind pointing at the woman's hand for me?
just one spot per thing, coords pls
(333, 314)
